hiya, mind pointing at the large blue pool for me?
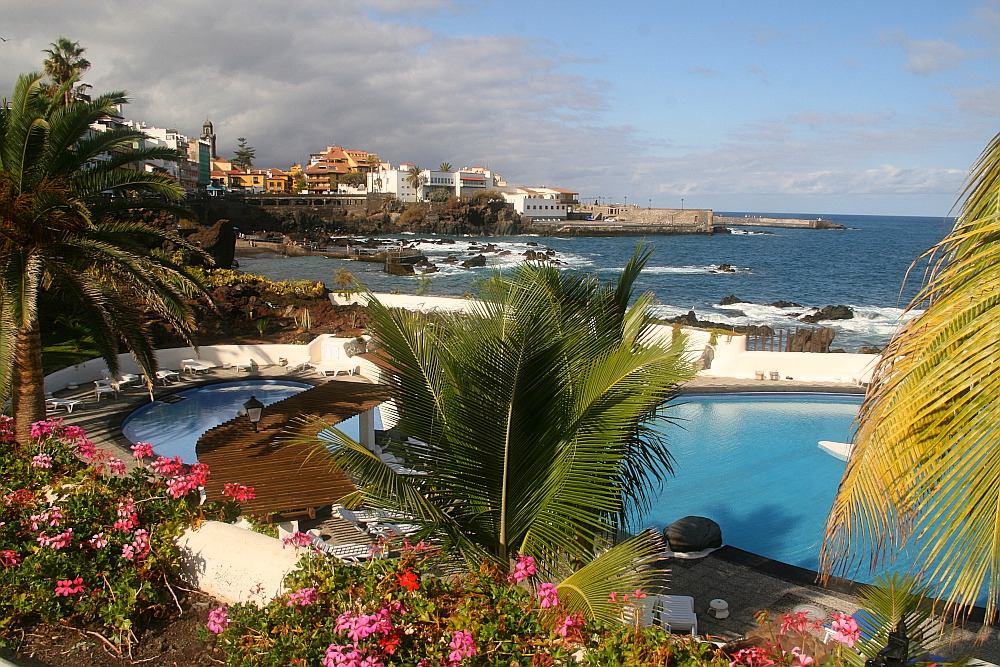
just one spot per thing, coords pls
(751, 462)
(174, 425)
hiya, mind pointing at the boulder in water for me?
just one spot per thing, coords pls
(693, 533)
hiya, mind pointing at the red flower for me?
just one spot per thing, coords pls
(408, 580)
(389, 643)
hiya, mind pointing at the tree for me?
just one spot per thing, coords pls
(375, 164)
(415, 179)
(445, 166)
(64, 64)
(244, 156)
(58, 232)
(526, 420)
(355, 179)
(925, 457)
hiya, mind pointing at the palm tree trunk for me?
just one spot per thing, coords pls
(28, 395)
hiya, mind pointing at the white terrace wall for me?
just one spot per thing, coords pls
(319, 349)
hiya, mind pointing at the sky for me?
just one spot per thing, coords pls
(799, 106)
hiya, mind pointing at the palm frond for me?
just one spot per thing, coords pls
(626, 567)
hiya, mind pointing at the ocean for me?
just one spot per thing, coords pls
(863, 267)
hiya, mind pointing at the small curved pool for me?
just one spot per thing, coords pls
(174, 424)
(751, 462)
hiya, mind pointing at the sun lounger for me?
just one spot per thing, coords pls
(245, 364)
(68, 403)
(194, 366)
(103, 387)
(676, 613)
(326, 368)
(167, 376)
(349, 553)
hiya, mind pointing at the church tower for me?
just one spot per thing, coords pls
(208, 134)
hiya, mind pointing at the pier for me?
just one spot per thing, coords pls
(794, 223)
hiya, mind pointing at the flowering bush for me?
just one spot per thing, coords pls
(389, 612)
(796, 641)
(81, 540)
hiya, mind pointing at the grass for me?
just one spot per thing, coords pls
(66, 353)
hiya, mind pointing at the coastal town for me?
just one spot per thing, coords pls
(338, 182)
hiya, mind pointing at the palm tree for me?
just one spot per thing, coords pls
(445, 166)
(414, 178)
(374, 166)
(65, 63)
(925, 456)
(61, 186)
(529, 415)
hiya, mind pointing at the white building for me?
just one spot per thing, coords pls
(465, 182)
(537, 204)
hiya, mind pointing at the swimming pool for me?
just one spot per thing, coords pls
(751, 463)
(173, 425)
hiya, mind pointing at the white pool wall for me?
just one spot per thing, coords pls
(324, 347)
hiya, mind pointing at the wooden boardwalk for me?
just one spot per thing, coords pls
(286, 480)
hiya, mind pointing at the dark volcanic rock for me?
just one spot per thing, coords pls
(829, 313)
(478, 260)
(724, 268)
(399, 269)
(730, 300)
(693, 533)
(785, 304)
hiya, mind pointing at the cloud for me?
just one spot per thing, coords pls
(927, 56)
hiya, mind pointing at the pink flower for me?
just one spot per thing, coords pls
(41, 461)
(142, 450)
(69, 587)
(56, 542)
(524, 567)
(800, 659)
(117, 465)
(462, 645)
(547, 595)
(845, 629)
(218, 619)
(797, 622)
(755, 656)
(180, 486)
(138, 548)
(302, 597)
(98, 541)
(43, 428)
(296, 539)
(570, 626)
(9, 558)
(86, 450)
(348, 655)
(73, 433)
(239, 492)
(165, 466)
(360, 626)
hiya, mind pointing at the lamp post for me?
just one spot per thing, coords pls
(254, 409)
(682, 203)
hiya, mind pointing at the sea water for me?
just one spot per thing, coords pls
(863, 266)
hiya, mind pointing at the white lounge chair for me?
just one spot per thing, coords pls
(349, 553)
(168, 376)
(674, 612)
(68, 403)
(326, 368)
(195, 366)
(102, 387)
(245, 364)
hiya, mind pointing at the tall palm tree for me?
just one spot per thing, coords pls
(414, 178)
(445, 166)
(65, 63)
(529, 414)
(925, 458)
(61, 186)
(374, 167)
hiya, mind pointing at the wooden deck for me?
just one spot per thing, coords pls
(285, 479)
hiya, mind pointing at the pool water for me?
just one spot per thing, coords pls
(752, 464)
(173, 428)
